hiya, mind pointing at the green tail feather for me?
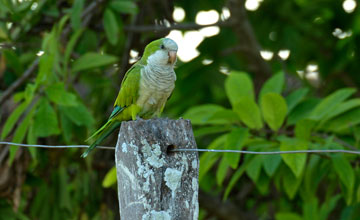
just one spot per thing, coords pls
(100, 130)
(101, 134)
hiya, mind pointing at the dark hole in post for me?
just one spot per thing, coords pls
(169, 149)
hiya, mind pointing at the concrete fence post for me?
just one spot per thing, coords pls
(154, 183)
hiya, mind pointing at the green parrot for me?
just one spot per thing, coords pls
(144, 90)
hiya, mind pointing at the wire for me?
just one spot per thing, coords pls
(267, 152)
(54, 146)
(194, 150)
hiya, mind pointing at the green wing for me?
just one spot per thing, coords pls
(125, 106)
(129, 91)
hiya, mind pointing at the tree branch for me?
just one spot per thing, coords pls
(251, 48)
(183, 26)
(19, 81)
(86, 16)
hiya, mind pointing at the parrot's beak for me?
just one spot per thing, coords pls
(172, 56)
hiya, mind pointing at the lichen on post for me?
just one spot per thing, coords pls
(153, 182)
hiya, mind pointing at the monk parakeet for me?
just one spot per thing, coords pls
(144, 90)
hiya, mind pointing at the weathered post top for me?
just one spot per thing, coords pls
(154, 183)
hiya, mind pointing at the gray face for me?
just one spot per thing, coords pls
(170, 45)
(166, 55)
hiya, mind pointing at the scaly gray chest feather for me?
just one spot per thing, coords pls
(156, 85)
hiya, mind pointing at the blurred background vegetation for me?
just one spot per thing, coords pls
(257, 75)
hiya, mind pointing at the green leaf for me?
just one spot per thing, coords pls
(92, 60)
(274, 110)
(273, 85)
(328, 207)
(46, 123)
(235, 141)
(262, 184)
(224, 116)
(67, 127)
(208, 159)
(62, 23)
(287, 216)
(57, 94)
(254, 168)
(342, 108)
(296, 162)
(358, 194)
(294, 98)
(222, 171)
(29, 92)
(249, 112)
(301, 111)
(12, 61)
(78, 114)
(271, 163)
(344, 121)
(70, 47)
(200, 115)
(346, 174)
(46, 64)
(310, 209)
(111, 26)
(303, 129)
(64, 194)
(291, 184)
(10, 122)
(198, 132)
(328, 104)
(88, 41)
(20, 132)
(239, 85)
(76, 11)
(239, 172)
(110, 178)
(17, 97)
(124, 6)
(31, 139)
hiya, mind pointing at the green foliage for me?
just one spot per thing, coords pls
(329, 103)
(91, 60)
(295, 122)
(57, 94)
(110, 178)
(271, 164)
(235, 141)
(275, 84)
(204, 114)
(10, 122)
(124, 6)
(295, 98)
(237, 86)
(287, 216)
(249, 112)
(296, 162)
(274, 110)
(79, 73)
(346, 174)
(46, 122)
(79, 115)
(111, 26)
(76, 14)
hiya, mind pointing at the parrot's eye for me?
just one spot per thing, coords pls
(162, 46)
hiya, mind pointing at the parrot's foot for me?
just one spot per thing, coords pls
(138, 118)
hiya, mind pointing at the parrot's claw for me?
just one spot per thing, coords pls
(138, 118)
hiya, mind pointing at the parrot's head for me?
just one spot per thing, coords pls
(161, 52)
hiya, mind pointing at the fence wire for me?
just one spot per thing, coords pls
(194, 150)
